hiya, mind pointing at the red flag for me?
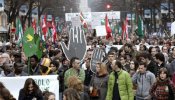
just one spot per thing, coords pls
(82, 19)
(54, 32)
(108, 29)
(34, 25)
(44, 26)
(125, 29)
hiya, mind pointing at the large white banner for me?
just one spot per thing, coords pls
(14, 84)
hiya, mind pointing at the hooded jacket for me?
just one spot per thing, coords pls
(144, 82)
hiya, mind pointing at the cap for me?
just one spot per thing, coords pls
(45, 62)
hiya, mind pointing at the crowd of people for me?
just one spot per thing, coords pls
(126, 73)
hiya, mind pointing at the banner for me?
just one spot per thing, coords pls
(100, 30)
(14, 84)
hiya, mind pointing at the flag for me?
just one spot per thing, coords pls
(44, 26)
(108, 29)
(38, 46)
(140, 27)
(125, 29)
(82, 19)
(34, 26)
(19, 30)
(54, 31)
(29, 45)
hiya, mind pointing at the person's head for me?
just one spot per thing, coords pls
(75, 63)
(75, 83)
(122, 59)
(17, 56)
(49, 95)
(30, 86)
(88, 62)
(164, 49)
(163, 73)
(133, 65)
(116, 65)
(111, 56)
(33, 61)
(121, 52)
(6, 94)
(128, 47)
(153, 51)
(101, 68)
(71, 94)
(173, 50)
(18, 67)
(142, 67)
(160, 58)
(54, 65)
(65, 61)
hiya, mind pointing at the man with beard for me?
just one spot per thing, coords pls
(17, 71)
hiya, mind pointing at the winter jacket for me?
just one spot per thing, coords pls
(74, 72)
(143, 83)
(124, 84)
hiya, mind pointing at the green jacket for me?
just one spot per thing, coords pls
(124, 84)
(73, 72)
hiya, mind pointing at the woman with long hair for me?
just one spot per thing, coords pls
(163, 89)
(71, 94)
(30, 91)
(75, 83)
(99, 81)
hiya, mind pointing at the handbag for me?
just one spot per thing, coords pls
(95, 93)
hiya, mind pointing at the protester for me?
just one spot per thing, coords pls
(30, 91)
(75, 83)
(163, 88)
(75, 70)
(71, 94)
(143, 79)
(99, 81)
(119, 84)
(49, 95)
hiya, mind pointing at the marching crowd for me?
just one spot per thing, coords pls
(126, 73)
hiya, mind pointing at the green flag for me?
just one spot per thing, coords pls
(29, 45)
(140, 27)
(19, 30)
(39, 49)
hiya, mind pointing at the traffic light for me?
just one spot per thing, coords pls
(108, 6)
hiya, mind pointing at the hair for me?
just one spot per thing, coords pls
(119, 52)
(103, 69)
(128, 45)
(35, 57)
(142, 63)
(6, 94)
(73, 60)
(160, 56)
(55, 63)
(27, 83)
(1, 87)
(118, 63)
(46, 94)
(145, 55)
(71, 94)
(136, 64)
(111, 53)
(163, 69)
(150, 49)
(75, 83)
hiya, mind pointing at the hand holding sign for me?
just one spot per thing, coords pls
(97, 56)
(77, 44)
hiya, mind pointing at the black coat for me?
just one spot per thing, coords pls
(22, 96)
